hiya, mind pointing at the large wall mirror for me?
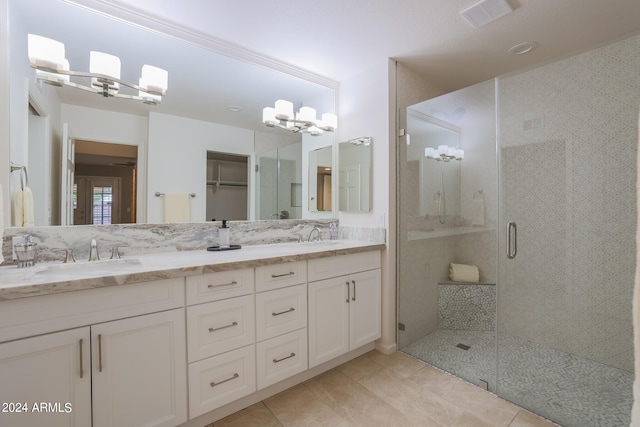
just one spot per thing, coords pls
(204, 139)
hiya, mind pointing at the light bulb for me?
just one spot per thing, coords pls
(284, 109)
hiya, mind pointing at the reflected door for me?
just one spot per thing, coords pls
(350, 188)
(98, 200)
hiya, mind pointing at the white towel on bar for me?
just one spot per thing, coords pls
(27, 207)
(17, 209)
(464, 273)
(176, 208)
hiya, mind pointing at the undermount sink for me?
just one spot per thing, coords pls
(108, 266)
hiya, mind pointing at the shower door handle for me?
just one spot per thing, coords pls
(512, 240)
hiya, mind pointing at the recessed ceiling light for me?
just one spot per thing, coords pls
(234, 108)
(523, 48)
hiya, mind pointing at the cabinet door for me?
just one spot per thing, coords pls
(365, 323)
(139, 375)
(328, 319)
(53, 370)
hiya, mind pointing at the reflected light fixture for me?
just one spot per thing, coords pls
(304, 120)
(47, 56)
(444, 153)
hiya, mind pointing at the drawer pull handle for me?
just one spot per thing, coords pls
(284, 312)
(223, 327)
(213, 383)
(284, 358)
(222, 284)
(291, 273)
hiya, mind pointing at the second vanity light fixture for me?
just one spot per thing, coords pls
(444, 153)
(47, 56)
(304, 120)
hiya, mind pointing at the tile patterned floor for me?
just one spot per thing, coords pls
(380, 390)
(570, 390)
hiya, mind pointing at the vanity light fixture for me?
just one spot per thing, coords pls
(304, 120)
(47, 56)
(444, 153)
(363, 140)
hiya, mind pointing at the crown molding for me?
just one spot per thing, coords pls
(113, 9)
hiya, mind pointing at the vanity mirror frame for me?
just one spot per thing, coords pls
(210, 45)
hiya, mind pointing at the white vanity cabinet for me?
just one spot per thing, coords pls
(119, 362)
(344, 304)
(220, 339)
(281, 315)
(53, 368)
(138, 371)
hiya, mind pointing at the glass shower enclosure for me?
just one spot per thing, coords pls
(543, 206)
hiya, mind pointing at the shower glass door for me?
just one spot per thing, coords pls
(447, 214)
(568, 137)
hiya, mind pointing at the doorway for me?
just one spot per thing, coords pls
(105, 183)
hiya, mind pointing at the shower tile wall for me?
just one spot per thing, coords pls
(575, 123)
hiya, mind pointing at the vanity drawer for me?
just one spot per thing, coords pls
(220, 326)
(340, 265)
(280, 275)
(281, 311)
(219, 380)
(220, 285)
(281, 357)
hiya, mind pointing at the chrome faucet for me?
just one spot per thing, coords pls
(93, 251)
(311, 233)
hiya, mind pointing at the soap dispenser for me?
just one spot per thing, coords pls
(223, 234)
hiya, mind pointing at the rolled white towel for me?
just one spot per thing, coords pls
(464, 273)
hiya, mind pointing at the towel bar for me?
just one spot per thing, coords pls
(159, 194)
(23, 169)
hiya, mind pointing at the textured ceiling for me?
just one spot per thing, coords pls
(340, 38)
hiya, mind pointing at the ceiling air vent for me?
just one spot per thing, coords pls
(486, 11)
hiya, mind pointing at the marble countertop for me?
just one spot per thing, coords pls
(51, 278)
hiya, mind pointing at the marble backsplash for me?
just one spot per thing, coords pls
(139, 239)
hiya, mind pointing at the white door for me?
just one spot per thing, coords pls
(350, 188)
(365, 321)
(67, 171)
(53, 370)
(328, 319)
(139, 374)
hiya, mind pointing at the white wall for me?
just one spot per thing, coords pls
(177, 159)
(366, 105)
(364, 111)
(5, 216)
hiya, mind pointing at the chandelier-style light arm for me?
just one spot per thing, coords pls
(283, 117)
(102, 78)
